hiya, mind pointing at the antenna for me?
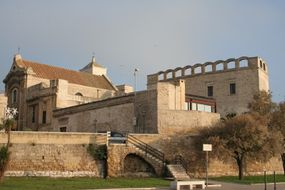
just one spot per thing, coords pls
(19, 49)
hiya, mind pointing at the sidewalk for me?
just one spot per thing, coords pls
(234, 186)
(224, 186)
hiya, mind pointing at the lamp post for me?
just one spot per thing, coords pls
(135, 79)
(135, 89)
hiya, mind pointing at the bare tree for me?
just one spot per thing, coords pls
(242, 137)
(277, 123)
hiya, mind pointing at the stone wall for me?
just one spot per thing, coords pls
(52, 154)
(3, 104)
(178, 121)
(114, 114)
(249, 74)
(118, 158)
(65, 155)
(246, 82)
(173, 144)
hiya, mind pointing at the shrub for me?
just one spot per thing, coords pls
(98, 152)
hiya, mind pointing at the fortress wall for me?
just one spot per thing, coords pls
(52, 154)
(65, 155)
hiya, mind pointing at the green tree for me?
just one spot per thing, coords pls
(240, 138)
(277, 123)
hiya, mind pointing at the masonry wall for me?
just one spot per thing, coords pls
(3, 104)
(173, 144)
(246, 81)
(106, 115)
(249, 74)
(65, 155)
(171, 115)
(52, 154)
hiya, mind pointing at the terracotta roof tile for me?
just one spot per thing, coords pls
(76, 77)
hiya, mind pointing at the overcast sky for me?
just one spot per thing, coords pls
(151, 35)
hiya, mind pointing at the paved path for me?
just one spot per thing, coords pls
(224, 186)
(234, 186)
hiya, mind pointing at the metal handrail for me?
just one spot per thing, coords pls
(146, 148)
(180, 160)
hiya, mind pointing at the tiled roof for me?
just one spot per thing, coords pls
(76, 77)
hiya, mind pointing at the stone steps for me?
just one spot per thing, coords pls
(178, 172)
(143, 154)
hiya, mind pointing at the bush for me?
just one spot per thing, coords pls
(4, 157)
(98, 152)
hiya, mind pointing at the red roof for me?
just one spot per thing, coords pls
(76, 77)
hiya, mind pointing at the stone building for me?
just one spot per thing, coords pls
(37, 89)
(56, 99)
(159, 109)
(232, 82)
(161, 121)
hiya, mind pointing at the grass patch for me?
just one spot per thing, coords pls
(45, 183)
(250, 179)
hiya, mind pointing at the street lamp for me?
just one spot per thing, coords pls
(135, 79)
(135, 89)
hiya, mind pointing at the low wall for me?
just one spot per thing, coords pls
(52, 154)
(65, 155)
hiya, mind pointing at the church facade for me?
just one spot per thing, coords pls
(36, 90)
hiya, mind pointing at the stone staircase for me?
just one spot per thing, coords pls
(178, 172)
(143, 154)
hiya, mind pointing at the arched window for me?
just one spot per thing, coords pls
(231, 65)
(198, 70)
(78, 94)
(220, 67)
(187, 71)
(14, 95)
(243, 63)
(208, 68)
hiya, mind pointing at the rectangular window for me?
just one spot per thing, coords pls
(186, 106)
(33, 114)
(194, 106)
(44, 119)
(210, 91)
(62, 129)
(232, 88)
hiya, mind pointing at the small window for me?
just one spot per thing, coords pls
(62, 129)
(210, 91)
(44, 119)
(78, 94)
(33, 114)
(194, 106)
(232, 88)
(98, 93)
(186, 106)
(14, 96)
(264, 67)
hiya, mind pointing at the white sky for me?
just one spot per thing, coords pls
(151, 35)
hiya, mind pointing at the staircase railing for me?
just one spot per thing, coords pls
(180, 160)
(147, 149)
